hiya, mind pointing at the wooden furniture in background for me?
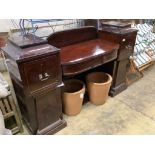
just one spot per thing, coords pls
(11, 117)
(35, 71)
(3, 41)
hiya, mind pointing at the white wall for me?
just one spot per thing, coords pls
(7, 24)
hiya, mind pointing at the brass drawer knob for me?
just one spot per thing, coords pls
(123, 40)
(45, 77)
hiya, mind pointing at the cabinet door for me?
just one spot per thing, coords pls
(42, 72)
(49, 108)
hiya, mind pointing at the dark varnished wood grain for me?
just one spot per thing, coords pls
(39, 100)
(126, 42)
(125, 36)
(50, 112)
(46, 65)
(86, 50)
(81, 49)
(86, 55)
(72, 36)
(77, 68)
(30, 53)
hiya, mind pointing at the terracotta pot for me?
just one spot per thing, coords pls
(98, 84)
(73, 95)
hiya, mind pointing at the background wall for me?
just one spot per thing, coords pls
(5, 25)
(11, 24)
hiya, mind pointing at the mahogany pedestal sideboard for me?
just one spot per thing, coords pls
(38, 69)
(82, 50)
(35, 71)
(125, 36)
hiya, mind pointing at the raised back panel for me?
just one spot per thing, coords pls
(72, 36)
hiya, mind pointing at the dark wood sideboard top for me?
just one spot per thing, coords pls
(86, 51)
(82, 49)
(80, 44)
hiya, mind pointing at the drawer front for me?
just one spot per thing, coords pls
(128, 39)
(42, 72)
(126, 46)
(74, 69)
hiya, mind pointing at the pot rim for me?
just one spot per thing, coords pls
(109, 79)
(77, 92)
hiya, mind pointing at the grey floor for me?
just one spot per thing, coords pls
(130, 112)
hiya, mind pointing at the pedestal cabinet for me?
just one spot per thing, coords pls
(35, 71)
(123, 34)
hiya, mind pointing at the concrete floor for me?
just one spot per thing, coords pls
(130, 112)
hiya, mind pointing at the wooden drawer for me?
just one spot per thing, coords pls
(42, 72)
(128, 39)
(73, 69)
(126, 46)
